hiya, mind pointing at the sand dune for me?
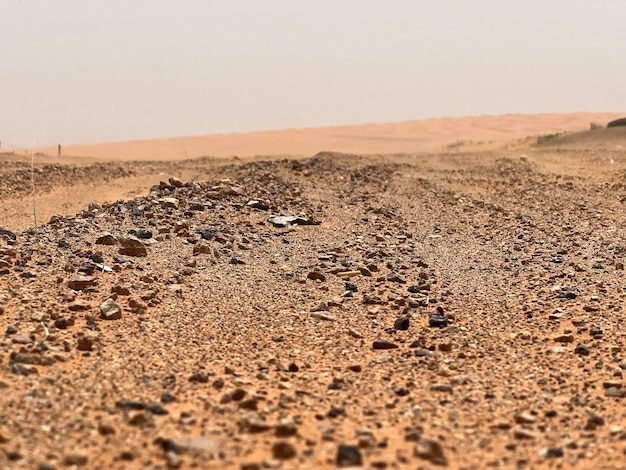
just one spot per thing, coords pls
(402, 137)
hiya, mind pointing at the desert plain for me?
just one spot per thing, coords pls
(444, 293)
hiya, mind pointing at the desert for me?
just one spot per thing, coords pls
(444, 293)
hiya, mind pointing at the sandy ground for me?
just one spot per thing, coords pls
(460, 308)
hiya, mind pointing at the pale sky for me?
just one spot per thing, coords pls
(83, 71)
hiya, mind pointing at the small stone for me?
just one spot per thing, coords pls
(355, 367)
(198, 444)
(581, 350)
(565, 338)
(437, 321)
(283, 450)
(176, 182)
(199, 377)
(521, 433)
(348, 456)
(384, 344)
(86, 342)
(431, 450)
(81, 282)
(110, 310)
(105, 428)
(354, 333)
(525, 418)
(316, 276)
(552, 453)
(401, 324)
(79, 305)
(615, 392)
(75, 459)
(442, 387)
(323, 316)
(173, 459)
(321, 307)
(106, 239)
(132, 246)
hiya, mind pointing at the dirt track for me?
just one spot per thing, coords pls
(461, 309)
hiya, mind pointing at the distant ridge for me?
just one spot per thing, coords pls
(424, 135)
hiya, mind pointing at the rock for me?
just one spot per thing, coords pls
(581, 350)
(431, 450)
(141, 233)
(197, 444)
(617, 122)
(176, 182)
(81, 282)
(316, 276)
(323, 316)
(524, 434)
(437, 321)
(441, 387)
(110, 310)
(565, 338)
(7, 234)
(355, 333)
(79, 305)
(525, 418)
(77, 460)
(132, 246)
(288, 220)
(106, 239)
(401, 323)
(615, 392)
(348, 456)
(321, 307)
(384, 344)
(283, 450)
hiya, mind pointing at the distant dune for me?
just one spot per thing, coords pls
(424, 135)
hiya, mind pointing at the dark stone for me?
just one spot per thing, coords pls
(283, 450)
(437, 321)
(11, 330)
(582, 350)
(141, 233)
(167, 397)
(336, 411)
(554, 453)
(130, 405)
(335, 386)
(348, 456)
(414, 289)
(293, 367)
(156, 409)
(415, 344)
(401, 324)
(422, 353)
(617, 122)
(384, 344)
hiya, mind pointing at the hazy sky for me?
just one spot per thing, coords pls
(79, 71)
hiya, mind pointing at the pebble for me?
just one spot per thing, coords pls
(581, 350)
(132, 246)
(316, 276)
(348, 456)
(106, 239)
(81, 282)
(437, 321)
(431, 450)
(401, 324)
(110, 310)
(565, 338)
(197, 444)
(323, 316)
(384, 344)
(283, 450)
